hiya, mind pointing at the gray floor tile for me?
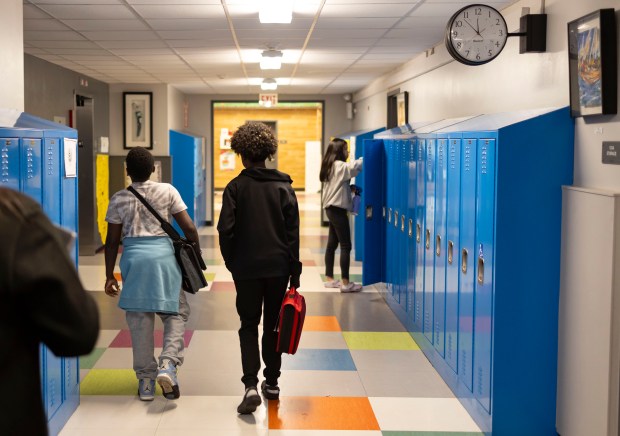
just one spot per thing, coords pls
(393, 361)
(323, 340)
(321, 384)
(414, 384)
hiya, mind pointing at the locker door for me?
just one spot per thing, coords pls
(31, 166)
(404, 194)
(411, 203)
(453, 250)
(71, 376)
(483, 306)
(389, 233)
(9, 163)
(429, 235)
(439, 245)
(395, 220)
(51, 179)
(373, 201)
(420, 215)
(466, 258)
(53, 383)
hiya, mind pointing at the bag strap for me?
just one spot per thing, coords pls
(165, 225)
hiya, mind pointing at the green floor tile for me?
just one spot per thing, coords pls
(111, 382)
(379, 341)
(87, 362)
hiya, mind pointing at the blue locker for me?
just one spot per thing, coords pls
(467, 232)
(188, 174)
(453, 248)
(389, 195)
(403, 251)
(373, 201)
(483, 295)
(429, 236)
(31, 168)
(357, 140)
(31, 154)
(9, 153)
(439, 295)
(410, 237)
(51, 178)
(420, 218)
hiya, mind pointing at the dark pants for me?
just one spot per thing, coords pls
(250, 297)
(339, 232)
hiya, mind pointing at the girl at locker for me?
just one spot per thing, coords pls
(336, 174)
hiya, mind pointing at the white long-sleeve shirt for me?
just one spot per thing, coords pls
(337, 191)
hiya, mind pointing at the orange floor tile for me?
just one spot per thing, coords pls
(322, 413)
(322, 324)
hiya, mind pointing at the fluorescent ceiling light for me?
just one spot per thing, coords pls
(271, 60)
(269, 85)
(275, 11)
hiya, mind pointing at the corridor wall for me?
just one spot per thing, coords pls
(33, 161)
(471, 242)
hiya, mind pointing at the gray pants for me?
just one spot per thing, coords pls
(142, 326)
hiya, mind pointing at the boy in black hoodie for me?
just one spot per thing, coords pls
(259, 240)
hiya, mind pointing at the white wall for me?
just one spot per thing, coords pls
(160, 117)
(12, 49)
(176, 100)
(440, 87)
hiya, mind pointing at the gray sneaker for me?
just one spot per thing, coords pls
(270, 392)
(251, 400)
(350, 287)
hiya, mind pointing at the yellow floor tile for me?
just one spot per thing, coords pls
(380, 341)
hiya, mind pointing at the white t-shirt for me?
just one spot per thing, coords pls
(126, 209)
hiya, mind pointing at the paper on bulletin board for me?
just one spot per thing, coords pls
(227, 160)
(70, 157)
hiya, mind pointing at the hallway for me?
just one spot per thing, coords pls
(357, 372)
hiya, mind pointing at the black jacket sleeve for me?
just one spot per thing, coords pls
(55, 306)
(226, 224)
(291, 219)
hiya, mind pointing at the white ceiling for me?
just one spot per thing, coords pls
(214, 46)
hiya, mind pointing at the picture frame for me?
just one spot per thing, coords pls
(138, 119)
(402, 108)
(592, 58)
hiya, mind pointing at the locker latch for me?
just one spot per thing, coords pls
(464, 261)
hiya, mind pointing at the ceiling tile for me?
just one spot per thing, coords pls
(355, 23)
(366, 10)
(188, 24)
(77, 2)
(133, 44)
(121, 35)
(98, 12)
(44, 24)
(64, 44)
(180, 11)
(54, 35)
(96, 25)
(33, 12)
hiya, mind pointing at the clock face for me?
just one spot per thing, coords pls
(476, 34)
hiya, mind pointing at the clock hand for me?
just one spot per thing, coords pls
(478, 33)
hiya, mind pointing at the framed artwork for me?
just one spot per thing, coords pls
(138, 119)
(592, 64)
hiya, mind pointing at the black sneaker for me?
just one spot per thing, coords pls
(251, 400)
(270, 392)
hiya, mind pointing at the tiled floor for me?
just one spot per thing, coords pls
(357, 372)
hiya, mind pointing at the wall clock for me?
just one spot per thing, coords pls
(476, 34)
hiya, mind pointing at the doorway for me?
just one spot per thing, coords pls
(89, 239)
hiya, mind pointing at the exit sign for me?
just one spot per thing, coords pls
(268, 100)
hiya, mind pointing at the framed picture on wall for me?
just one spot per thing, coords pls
(138, 119)
(402, 108)
(593, 64)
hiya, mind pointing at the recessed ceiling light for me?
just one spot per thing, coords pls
(275, 11)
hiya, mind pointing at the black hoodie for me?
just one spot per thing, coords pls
(259, 226)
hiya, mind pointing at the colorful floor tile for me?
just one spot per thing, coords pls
(357, 371)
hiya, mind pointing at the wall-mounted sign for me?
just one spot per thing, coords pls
(611, 152)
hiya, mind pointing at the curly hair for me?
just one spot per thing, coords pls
(140, 164)
(254, 141)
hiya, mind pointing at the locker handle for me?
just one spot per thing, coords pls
(438, 245)
(464, 261)
(428, 239)
(418, 233)
(396, 218)
(481, 270)
(410, 228)
(390, 215)
(402, 223)
(450, 250)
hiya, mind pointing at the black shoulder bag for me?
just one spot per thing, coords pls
(185, 252)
